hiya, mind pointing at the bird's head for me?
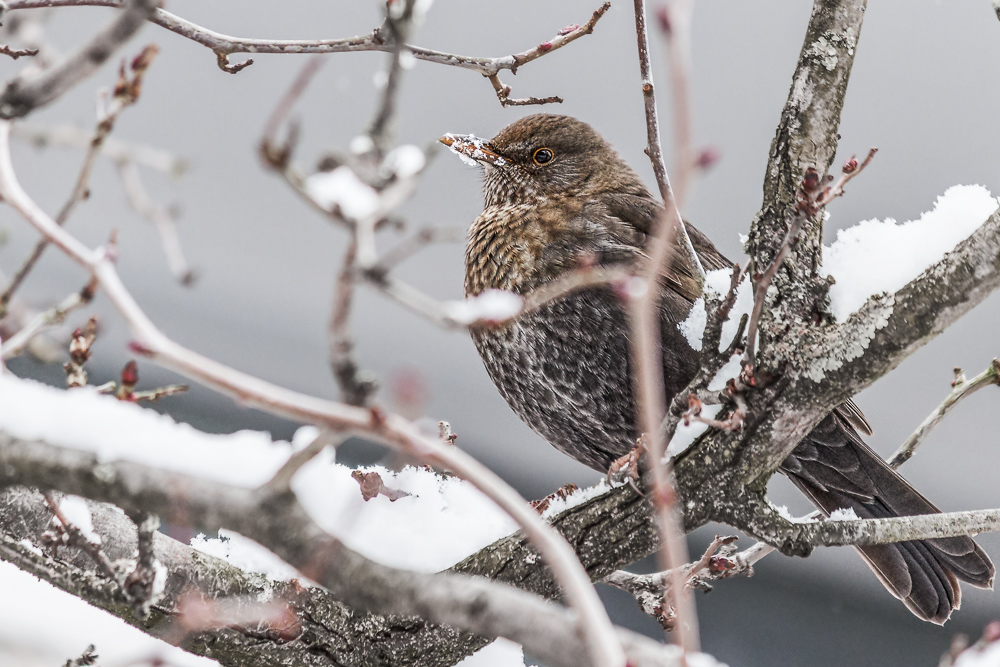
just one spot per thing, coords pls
(544, 155)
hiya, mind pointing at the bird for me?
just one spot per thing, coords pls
(555, 191)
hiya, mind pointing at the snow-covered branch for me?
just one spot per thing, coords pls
(277, 521)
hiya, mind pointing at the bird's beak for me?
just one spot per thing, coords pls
(472, 149)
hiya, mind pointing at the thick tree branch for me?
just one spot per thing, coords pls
(807, 132)
(277, 521)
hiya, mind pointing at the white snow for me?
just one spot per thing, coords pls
(471, 149)
(405, 161)
(501, 653)
(559, 505)
(75, 509)
(492, 305)
(730, 370)
(877, 256)
(685, 435)
(444, 520)
(717, 282)
(343, 189)
(843, 514)
(41, 626)
(361, 144)
(245, 554)
(988, 656)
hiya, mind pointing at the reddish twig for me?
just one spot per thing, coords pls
(647, 356)
(17, 53)
(372, 485)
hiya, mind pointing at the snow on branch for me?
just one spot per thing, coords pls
(280, 523)
(875, 257)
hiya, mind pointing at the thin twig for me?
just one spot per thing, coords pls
(52, 317)
(161, 218)
(225, 45)
(356, 386)
(71, 535)
(671, 215)
(813, 194)
(962, 388)
(17, 53)
(279, 157)
(678, 35)
(32, 90)
(126, 94)
(390, 429)
(719, 561)
(648, 361)
(73, 136)
(281, 481)
(383, 123)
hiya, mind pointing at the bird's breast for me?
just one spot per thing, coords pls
(503, 247)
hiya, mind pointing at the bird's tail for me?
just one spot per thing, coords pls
(836, 470)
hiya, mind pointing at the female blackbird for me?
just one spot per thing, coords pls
(556, 191)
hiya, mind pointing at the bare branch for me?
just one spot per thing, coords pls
(962, 388)
(125, 95)
(72, 136)
(281, 481)
(798, 538)
(717, 562)
(161, 217)
(225, 45)
(28, 92)
(661, 248)
(356, 386)
(54, 316)
(644, 318)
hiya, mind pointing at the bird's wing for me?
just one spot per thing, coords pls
(640, 212)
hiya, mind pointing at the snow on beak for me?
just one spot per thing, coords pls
(472, 149)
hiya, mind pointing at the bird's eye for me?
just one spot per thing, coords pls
(543, 156)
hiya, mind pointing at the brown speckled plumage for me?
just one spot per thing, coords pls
(565, 368)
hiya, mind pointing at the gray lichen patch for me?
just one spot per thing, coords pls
(849, 340)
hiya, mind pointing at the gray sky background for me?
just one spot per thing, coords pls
(924, 90)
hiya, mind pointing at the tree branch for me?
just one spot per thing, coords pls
(961, 389)
(225, 45)
(277, 521)
(30, 91)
